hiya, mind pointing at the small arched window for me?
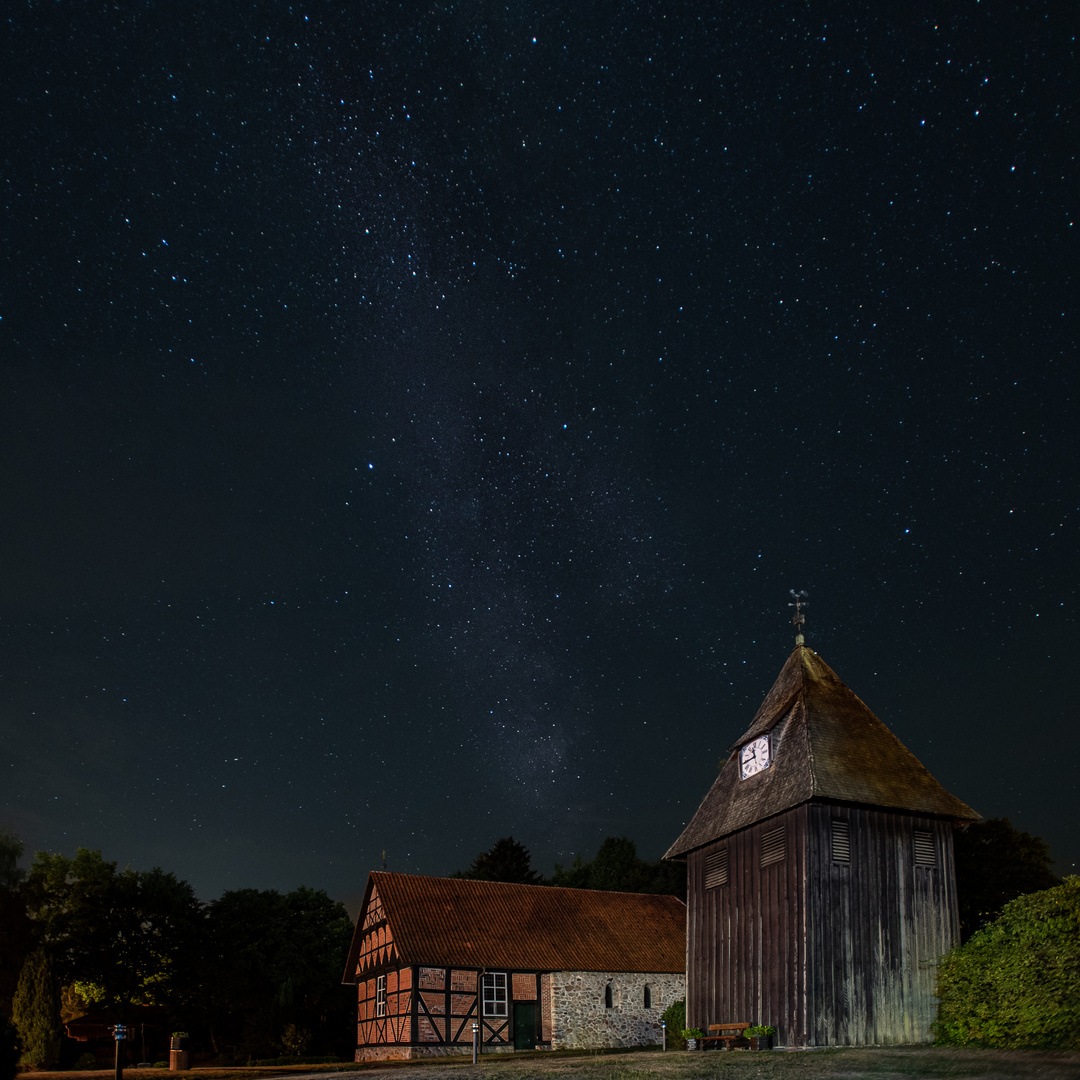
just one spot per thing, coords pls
(648, 996)
(607, 996)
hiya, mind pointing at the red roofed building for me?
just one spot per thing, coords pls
(534, 967)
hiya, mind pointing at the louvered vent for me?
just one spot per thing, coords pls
(841, 842)
(925, 852)
(773, 846)
(716, 868)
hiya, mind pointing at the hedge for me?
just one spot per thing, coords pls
(1015, 983)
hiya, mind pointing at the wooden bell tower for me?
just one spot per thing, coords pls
(820, 881)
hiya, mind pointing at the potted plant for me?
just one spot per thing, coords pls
(691, 1035)
(759, 1036)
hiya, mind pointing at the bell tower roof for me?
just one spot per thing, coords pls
(824, 743)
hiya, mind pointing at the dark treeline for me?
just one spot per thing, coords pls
(616, 868)
(253, 974)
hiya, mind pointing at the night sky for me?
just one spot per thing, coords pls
(414, 418)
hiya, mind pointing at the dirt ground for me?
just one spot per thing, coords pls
(847, 1063)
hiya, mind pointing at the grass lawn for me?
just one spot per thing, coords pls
(842, 1063)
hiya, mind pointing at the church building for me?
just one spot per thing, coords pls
(821, 886)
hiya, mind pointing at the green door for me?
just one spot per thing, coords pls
(524, 1025)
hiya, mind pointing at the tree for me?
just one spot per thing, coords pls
(995, 863)
(11, 851)
(16, 932)
(36, 1011)
(120, 938)
(1013, 984)
(276, 960)
(617, 868)
(666, 878)
(506, 861)
(577, 876)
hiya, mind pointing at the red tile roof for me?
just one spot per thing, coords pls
(450, 922)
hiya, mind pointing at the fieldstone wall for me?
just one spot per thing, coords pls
(383, 1052)
(580, 1016)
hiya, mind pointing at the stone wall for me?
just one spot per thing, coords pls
(383, 1052)
(581, 1017)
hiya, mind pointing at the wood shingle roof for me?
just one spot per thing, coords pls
(451, 922)
(826, 744)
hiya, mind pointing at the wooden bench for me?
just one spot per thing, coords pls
(714, 1035)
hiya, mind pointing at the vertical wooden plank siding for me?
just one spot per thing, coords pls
(878, 925)
(745, 939)
(830, 952)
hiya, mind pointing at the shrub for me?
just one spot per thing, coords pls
(295, 1041)
(1014, 983)
(674, 1016)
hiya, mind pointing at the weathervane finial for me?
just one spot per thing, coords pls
(798, 602)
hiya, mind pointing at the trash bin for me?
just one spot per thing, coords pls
(179, 1053)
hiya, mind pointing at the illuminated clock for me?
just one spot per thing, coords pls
(754, 757)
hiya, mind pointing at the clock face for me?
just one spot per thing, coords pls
(754, 757)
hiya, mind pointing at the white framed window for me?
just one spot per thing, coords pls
(494, 988)
(380, 996)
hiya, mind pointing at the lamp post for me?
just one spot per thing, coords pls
(119, 1033)
(663, 1035)
(475, 1039)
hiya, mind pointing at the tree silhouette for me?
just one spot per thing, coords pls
(506, 861)
(996, 863)
(617, 868)
(124, 937)
(16, 930)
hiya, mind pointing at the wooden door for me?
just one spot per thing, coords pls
(524, 1025)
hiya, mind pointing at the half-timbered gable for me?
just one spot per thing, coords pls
(532, 967)
(820, 880)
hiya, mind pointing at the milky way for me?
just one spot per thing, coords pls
(413, 425)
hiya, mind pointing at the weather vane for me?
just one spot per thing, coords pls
(799, 600)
